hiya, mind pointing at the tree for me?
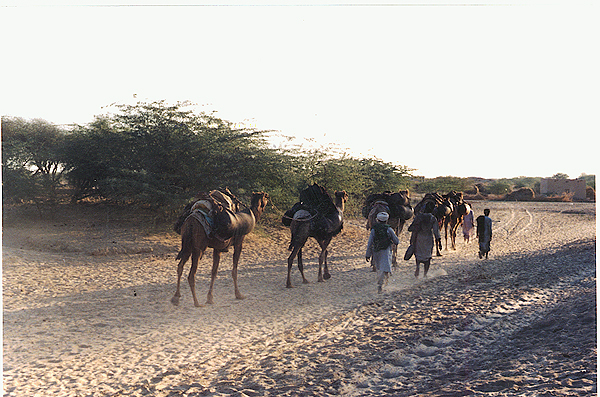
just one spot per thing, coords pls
(560, 175)
(499, 186)
(590, 180)
(444, 184)
(156, 154)
(31, 156)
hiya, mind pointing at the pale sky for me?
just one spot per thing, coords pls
(465, 90)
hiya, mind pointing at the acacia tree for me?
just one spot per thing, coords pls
(156, 154)
(31, 158)
(443, 184)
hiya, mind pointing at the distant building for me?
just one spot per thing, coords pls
(557, 186)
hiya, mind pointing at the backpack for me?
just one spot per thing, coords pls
(381, 238)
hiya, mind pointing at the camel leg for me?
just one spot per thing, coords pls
(446, 234)
(301, 266)
(453, 236)
(437, 248)
(192, 276)
(213, 276)
(237, 252)
(297, 252)
(177, 296)
(294, 253)
(323, 275)
(320, 276)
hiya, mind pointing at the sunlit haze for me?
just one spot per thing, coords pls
(491, 91)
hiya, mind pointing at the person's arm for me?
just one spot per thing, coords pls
(369, 252)
(436, 233)
(436, 228)
(393, 236)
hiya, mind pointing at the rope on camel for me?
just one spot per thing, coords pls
(289, 217)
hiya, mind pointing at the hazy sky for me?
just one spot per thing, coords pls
(465, 90)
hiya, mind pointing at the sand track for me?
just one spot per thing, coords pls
(79, 324)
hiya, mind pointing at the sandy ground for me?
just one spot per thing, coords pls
(87, 312)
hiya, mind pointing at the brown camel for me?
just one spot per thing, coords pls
(397, 205)
(194, 242)
(322, 227)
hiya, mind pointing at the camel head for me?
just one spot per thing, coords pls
(340, 198)
(259, 202)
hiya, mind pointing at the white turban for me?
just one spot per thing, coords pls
(383, 217)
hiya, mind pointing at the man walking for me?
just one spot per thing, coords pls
(380, 248)
(424, 228)
(484, 232)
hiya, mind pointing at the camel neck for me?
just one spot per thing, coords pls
(255, 213)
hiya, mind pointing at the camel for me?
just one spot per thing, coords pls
(449, 211)
(322, 227)
(194, 241)
(459, 208)
(397, 205)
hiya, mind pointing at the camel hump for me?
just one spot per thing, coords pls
(224, 199)
(316, 197)
(202, 205)
(398, 204)
(373, 199)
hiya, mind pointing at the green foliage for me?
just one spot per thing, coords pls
(159, 156)
(18, 184)
(31, 158)
(154, 154)
(358, 177)
(443, 184)
(499, 187)
(523, 181)
(560, 175)
(590, 180)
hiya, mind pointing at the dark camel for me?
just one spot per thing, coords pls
(459, 208)
(322, 228)
(397, 205)
(194, 242)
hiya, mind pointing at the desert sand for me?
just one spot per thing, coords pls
(87, 312)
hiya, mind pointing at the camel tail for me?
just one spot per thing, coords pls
(293, 237)
(300, 230)
(186, 242)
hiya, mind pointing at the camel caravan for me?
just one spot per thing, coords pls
(220, 221)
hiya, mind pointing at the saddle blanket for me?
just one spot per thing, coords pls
(204, 220)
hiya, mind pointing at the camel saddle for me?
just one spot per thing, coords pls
(314, 200)
(215, 211)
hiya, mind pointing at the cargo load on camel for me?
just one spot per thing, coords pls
(397, 205)
(315, 205)
(213, 210)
